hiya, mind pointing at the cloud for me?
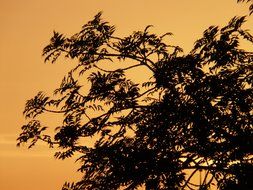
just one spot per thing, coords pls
(7, 139)
(8, 148)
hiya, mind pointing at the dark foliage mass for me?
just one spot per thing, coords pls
(191, 114)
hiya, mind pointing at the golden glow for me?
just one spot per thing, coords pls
(26, 27)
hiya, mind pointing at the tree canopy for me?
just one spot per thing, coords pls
(192, 113)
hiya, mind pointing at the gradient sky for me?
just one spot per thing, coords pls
(26, 27)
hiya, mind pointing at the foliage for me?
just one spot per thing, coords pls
(192, 113)
(247, 1)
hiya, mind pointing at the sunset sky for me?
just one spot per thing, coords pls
(26, 27)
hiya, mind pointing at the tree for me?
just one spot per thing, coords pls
(192, 114)
(247, 1)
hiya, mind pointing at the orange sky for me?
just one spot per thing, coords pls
(26, 27)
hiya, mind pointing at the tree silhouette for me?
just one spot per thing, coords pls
(247, 1)
(192, 113)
